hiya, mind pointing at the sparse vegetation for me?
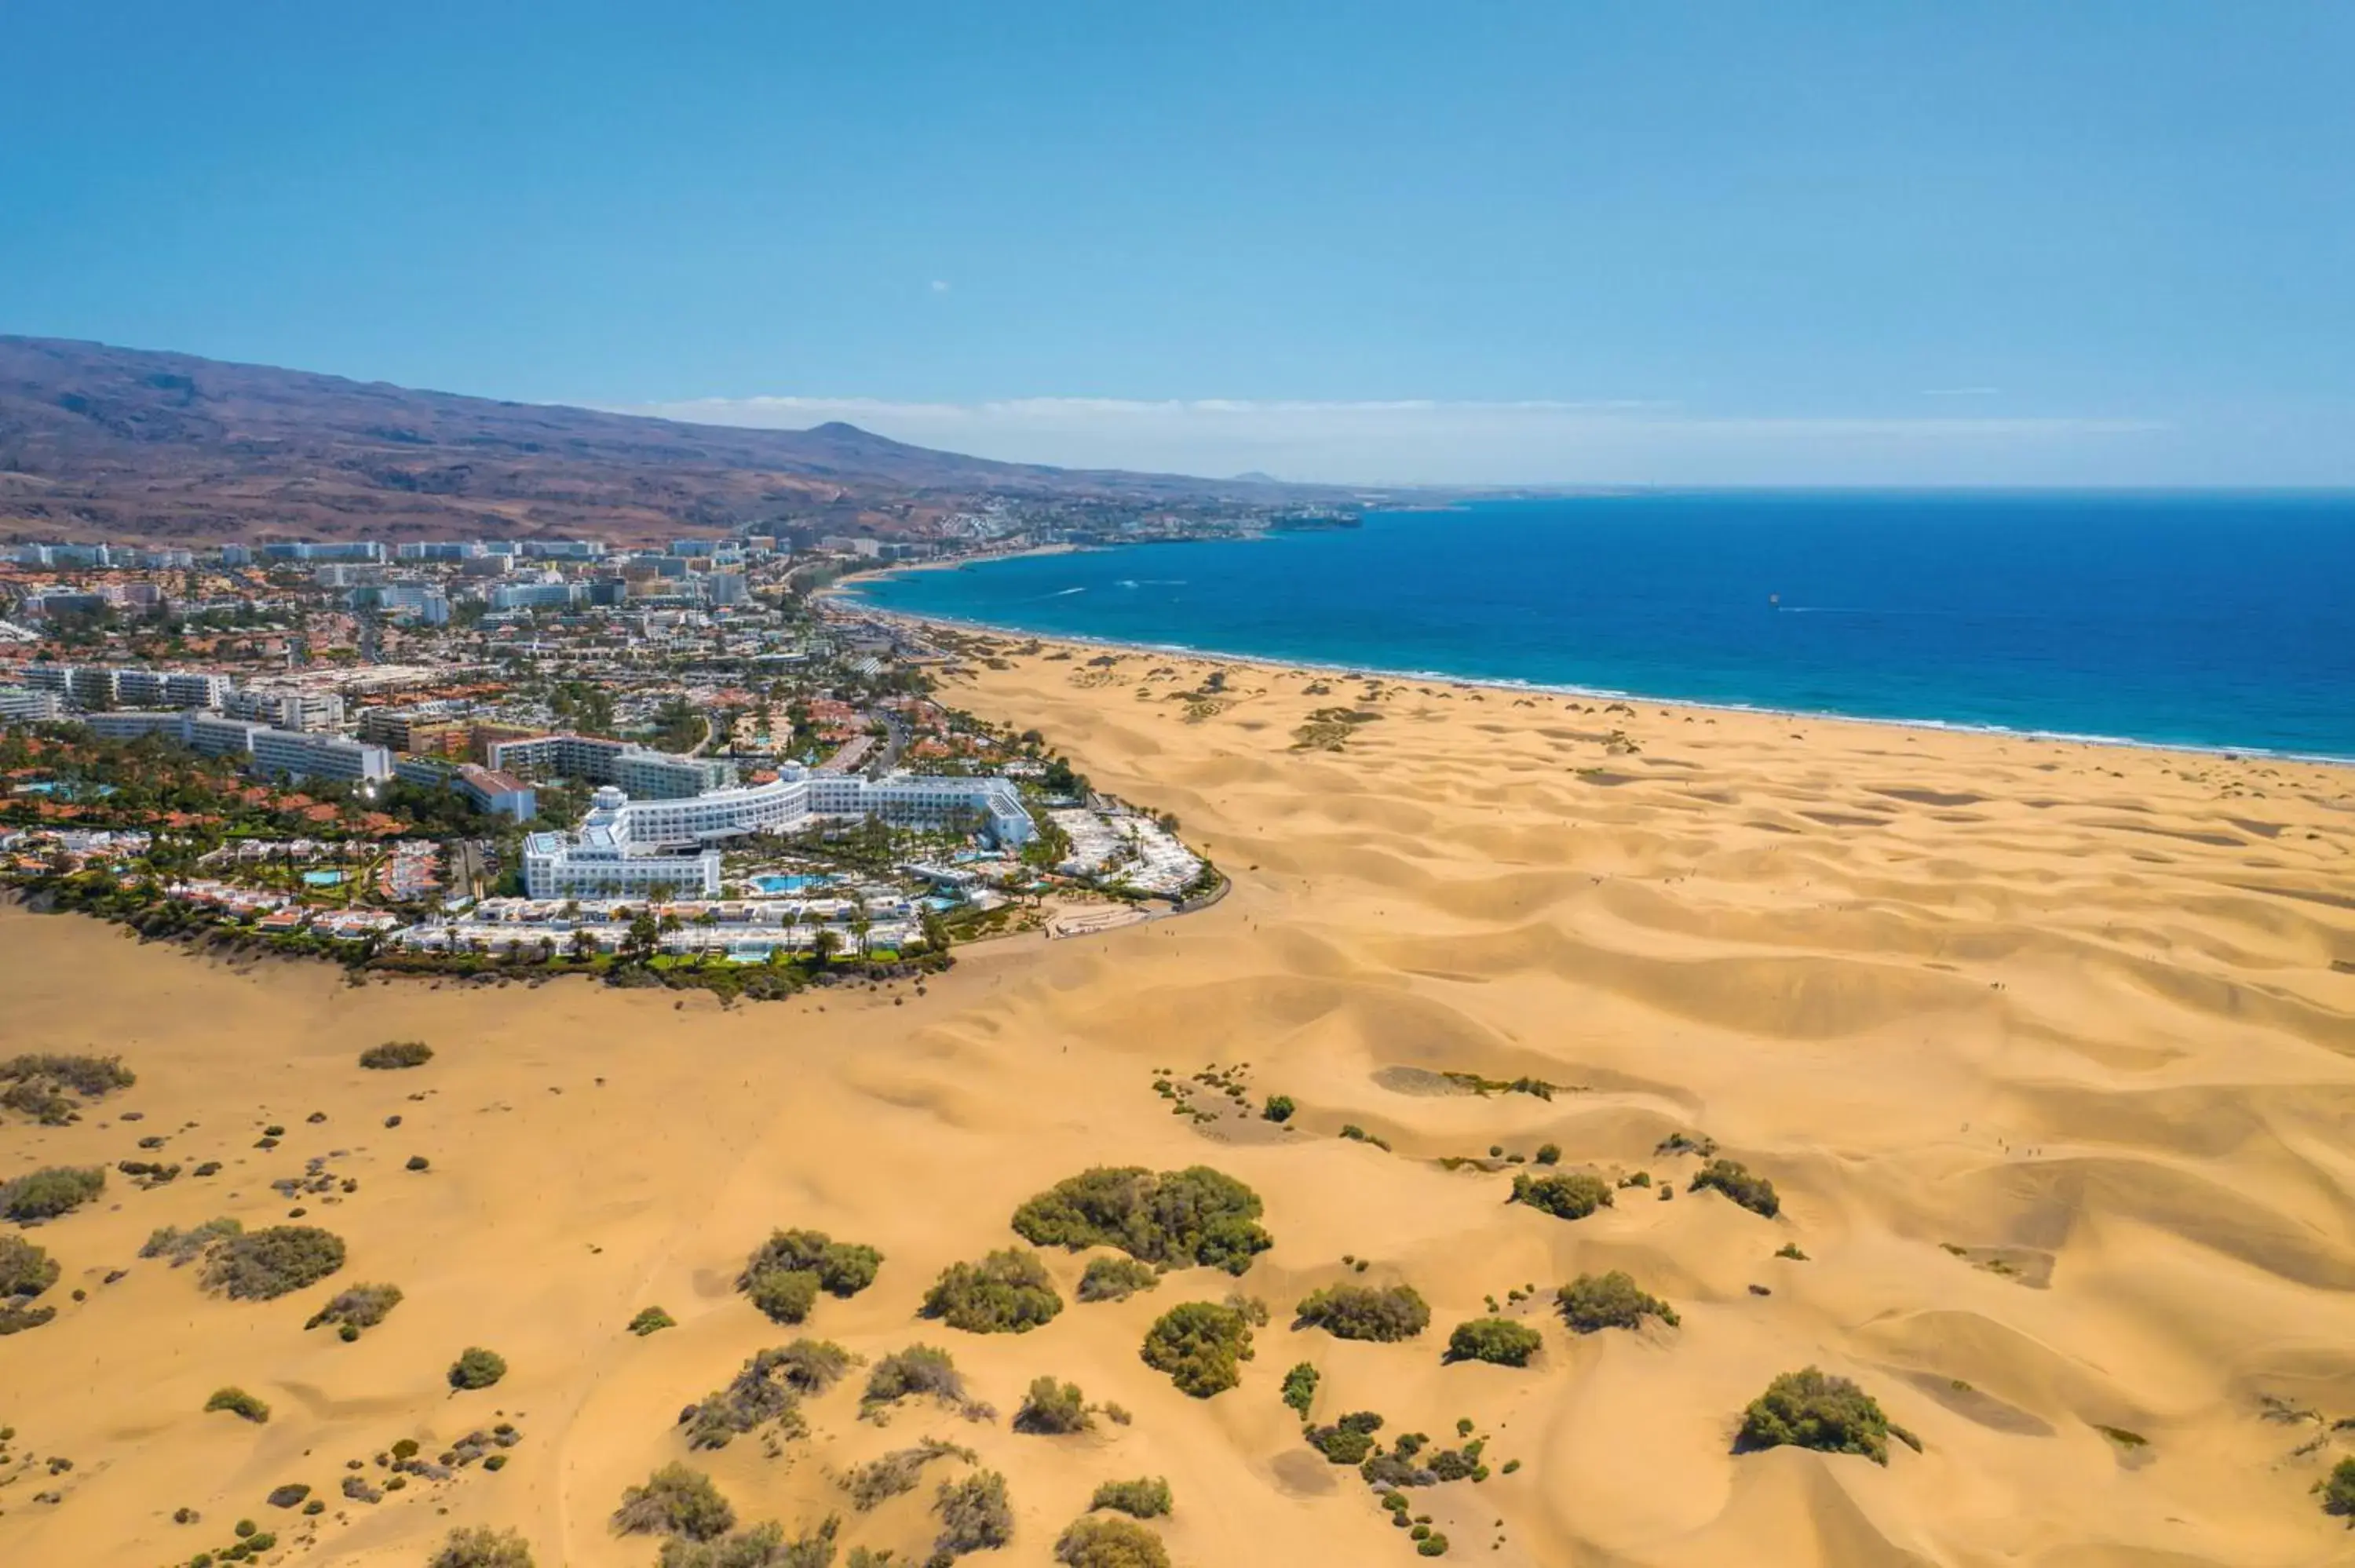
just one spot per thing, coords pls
(394, 1053)
(1362, 1312)
(1201, 1346)
(1348, 1441)
(1300, 1388)
(1116, 1278)
(1052, 1409)
(1279, 1108)
(1484, 1088)
(975, 1516)
(355, 1310)
(55, 1189)
(239, 1402)
(782, 1296)
(879, 1480)
(2337, 1488)
(1687, 1143)
(1595, 1301)
(184, 1246)
(1500, 1340)
(769, 1387)
(1195, 1216)
(764, 1545)
(1007, 1292)
(1092, 1542)
(918, 1370)
(482, 1547)
(477, 1368)
(1754, 1193)
(261, 1265)
(25, 1270)
(1812, 1409)
(675, 1500)
(42, 1086)
(1145, 1497)
(1572, 1195)
(651, 1320)
(843, 1269)
(1791, 1250)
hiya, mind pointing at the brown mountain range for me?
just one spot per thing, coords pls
(104, 442)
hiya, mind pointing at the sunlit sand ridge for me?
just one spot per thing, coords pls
(2048, 1050)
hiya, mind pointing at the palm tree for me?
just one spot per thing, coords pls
(825, 943)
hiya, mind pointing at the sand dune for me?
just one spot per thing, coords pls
(2048, 1049)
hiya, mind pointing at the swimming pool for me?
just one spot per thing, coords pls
(789, 883)
(323, 878)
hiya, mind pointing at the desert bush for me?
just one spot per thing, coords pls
(1754, 1193)
(1116, 1278)
(843, 1269)
(477, 1368)
(1350, 1440)
(1092, 1542)
(1362, 1312)
(25, 1270)
(1812, 1409)
(769, 1387)
(287, 1496)
(1278, 1107)
(1195, 1216)
(37, 1085)
(879, 1480)
(1200, 1345)
(766, 1545)
(2337, 1488)
(475, 1546)
(395, 1054)
(1006, 1292)
(1570, 1196)
(52, 1190)
(361, 1307)
(1498, 1341)
(240, 1402)
(918, 1370)
(1148, 1497)
(652, 1320)
(260, 1266)
(675, 1500)
(783, 1296)
(1300, 1388)
(1549, 1154)
(975, 1516)
(1612, 1300)
(1051, 1409)
(184, 1246)
(1687, 1143)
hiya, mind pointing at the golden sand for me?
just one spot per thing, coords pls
(2083, 1013)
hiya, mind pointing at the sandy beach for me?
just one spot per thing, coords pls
(2048, 1049)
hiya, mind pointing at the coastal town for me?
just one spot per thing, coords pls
(689, 765)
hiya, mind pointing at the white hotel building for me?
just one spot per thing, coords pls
(626, 847)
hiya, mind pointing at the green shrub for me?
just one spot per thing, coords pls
(184, 1246)
(1278, 1107)
(477, 1368)
(675, 1500)
(974, 1515)
(1549, 1154)
(395, 1054)
(1612, 1300)
(652, 1320)
(1195, 1216)
(1431, 1545)
(361, 1307)
(25, 1270)
(1092, 1542)
(879, 1480)
(918, 1370)
(1361, 1312)
(783, 1296)
(482, 1547)
(1571, 1197)
(1500, 1340)
(1754, 1193)
(260, 1266)
(55, 1189)
(843, 1269)
(1200, 1345)
(1350, 1440)
(36, 1086)
(1051, 1409)
(766, 1545)
(2337, 1488)
(1116, 1278)
(287, 1496)
(769, 1387)
(240, 1402)
(1300, 1388)
(1007, 1292)
(1811, 1409)
(1148, 1497)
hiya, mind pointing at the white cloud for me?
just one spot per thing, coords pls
(1422, 440)
(940, 286)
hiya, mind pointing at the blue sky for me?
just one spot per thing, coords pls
(1673, 243)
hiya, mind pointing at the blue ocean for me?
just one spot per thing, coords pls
(2210, 621)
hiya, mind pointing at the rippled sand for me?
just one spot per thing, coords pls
(2046, 1047)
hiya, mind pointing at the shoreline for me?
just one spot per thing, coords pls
(1525, 688)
